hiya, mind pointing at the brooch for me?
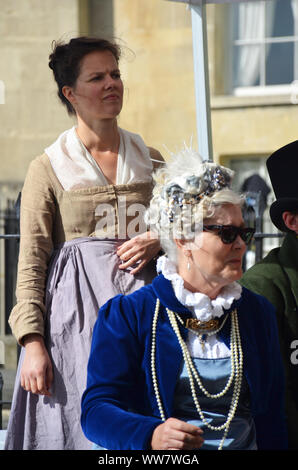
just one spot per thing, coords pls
(195, 324)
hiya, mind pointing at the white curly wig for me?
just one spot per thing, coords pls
(187, 190)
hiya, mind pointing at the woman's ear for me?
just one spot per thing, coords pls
(183, 252)
(68, 93)
(185, 245)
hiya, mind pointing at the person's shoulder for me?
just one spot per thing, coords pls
(257, 305)
(40, 163)
(155, 154)
(133, 311)
(140, 297)
(268, 282)
(156, 157)
(265, 269)
(41, 173)
(252, 297)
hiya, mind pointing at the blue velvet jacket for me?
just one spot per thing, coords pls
(119, 371)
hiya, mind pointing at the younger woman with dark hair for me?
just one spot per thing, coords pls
(77, 245)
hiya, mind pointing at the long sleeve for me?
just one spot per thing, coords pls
(36, 222)
(116, 384)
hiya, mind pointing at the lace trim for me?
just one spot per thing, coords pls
(203, 308)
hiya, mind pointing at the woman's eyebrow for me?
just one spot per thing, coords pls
(101, 72)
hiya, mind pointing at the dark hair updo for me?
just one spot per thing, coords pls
(66, 58)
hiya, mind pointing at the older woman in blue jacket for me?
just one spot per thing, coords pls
(191, 361)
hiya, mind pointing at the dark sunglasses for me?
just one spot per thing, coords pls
(229, 233)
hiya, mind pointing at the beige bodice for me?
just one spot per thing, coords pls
(50, 216)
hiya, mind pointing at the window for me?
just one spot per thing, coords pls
(264, 46)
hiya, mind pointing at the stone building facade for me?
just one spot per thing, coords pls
(158, 73)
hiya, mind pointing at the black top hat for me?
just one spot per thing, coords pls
(282, 167)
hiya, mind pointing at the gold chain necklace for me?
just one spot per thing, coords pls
(195, 326)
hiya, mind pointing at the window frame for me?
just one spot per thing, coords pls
(262, 89)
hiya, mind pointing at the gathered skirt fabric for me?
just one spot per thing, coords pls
(83, 275)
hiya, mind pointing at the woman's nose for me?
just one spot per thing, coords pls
(239, 243)
(109, 81)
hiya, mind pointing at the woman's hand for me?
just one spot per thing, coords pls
(37, 370)
(140, 249)
(175, 434)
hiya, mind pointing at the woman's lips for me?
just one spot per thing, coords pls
(111, 97)
(235, 261)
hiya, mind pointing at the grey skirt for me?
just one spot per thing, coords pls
(83, 275)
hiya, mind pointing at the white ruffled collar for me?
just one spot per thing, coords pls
(203, 307)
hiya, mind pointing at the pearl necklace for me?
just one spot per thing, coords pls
(236, 371)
